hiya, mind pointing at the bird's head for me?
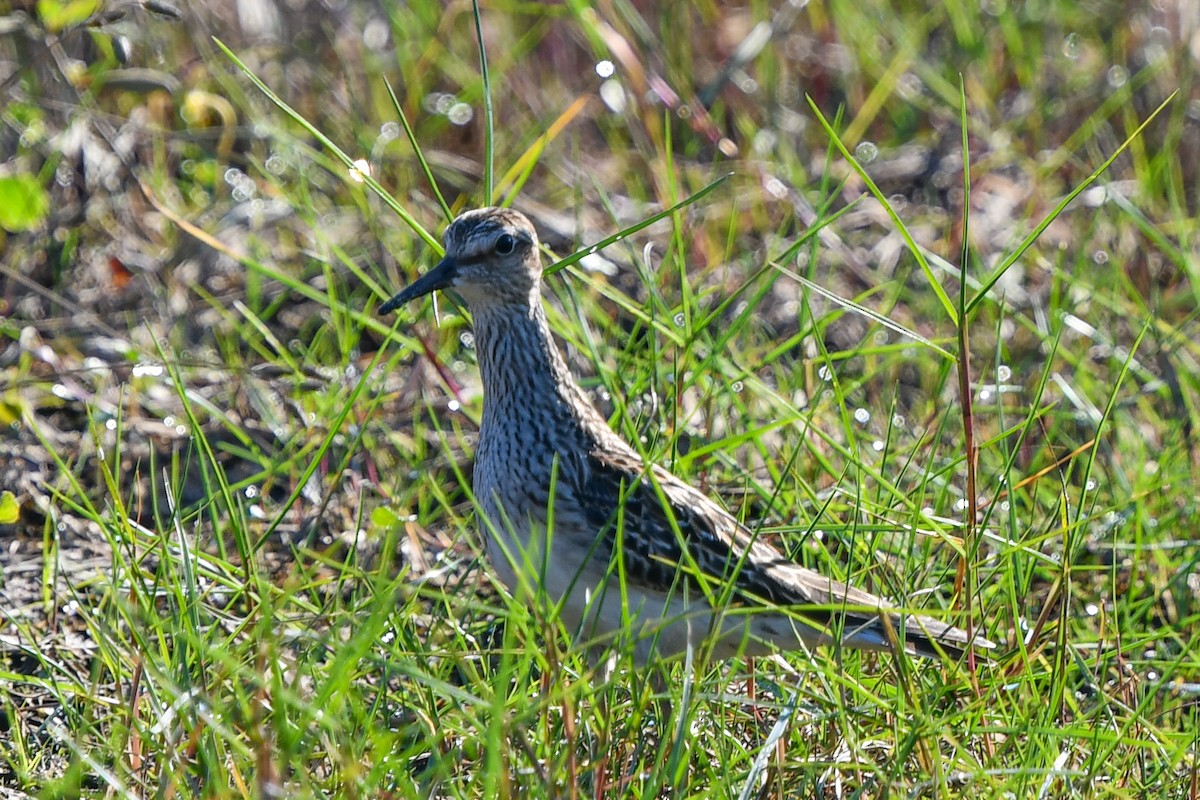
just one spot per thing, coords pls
(491, 258)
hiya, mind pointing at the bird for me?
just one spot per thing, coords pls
(622, 548)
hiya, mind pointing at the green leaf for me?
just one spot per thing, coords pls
(385, 517)
(12, 407)
(24, 203)
(56, 15)
(10, 511)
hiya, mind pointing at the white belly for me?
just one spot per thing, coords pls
(600, 613)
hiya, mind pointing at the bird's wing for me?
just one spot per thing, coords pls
(668, 528)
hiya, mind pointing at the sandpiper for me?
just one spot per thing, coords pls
(624, 549)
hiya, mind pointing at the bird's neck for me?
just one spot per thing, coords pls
(524, 375)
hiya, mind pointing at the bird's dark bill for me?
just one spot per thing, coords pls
(440, 277)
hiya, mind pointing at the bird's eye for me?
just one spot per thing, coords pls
(505, 245)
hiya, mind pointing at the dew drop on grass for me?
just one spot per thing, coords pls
(169, 421)
(866, 152)
(1117, 76)
(1071, 46)
(460, 114)
(680, 319)
(1100, 257)
(746, 83)
(110, 424)
(467, 338)
(453, 406)
(442, 103)
(375, 34)
(877, 446)
(605, 68)
(1091, 485)
(1003, 373)
(1092, 609)
(736, 387)
(1158, 45)
(764, 143)
(613, 95)
(909, 86)
(985, 394)
(862, 416)
(824, 373)
(251, 491)
(776, 188)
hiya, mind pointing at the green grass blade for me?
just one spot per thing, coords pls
(1015, 255)
(584, 252)
(316, 133)
(938, 289)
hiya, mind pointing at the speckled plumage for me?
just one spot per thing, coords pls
(569, 508)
